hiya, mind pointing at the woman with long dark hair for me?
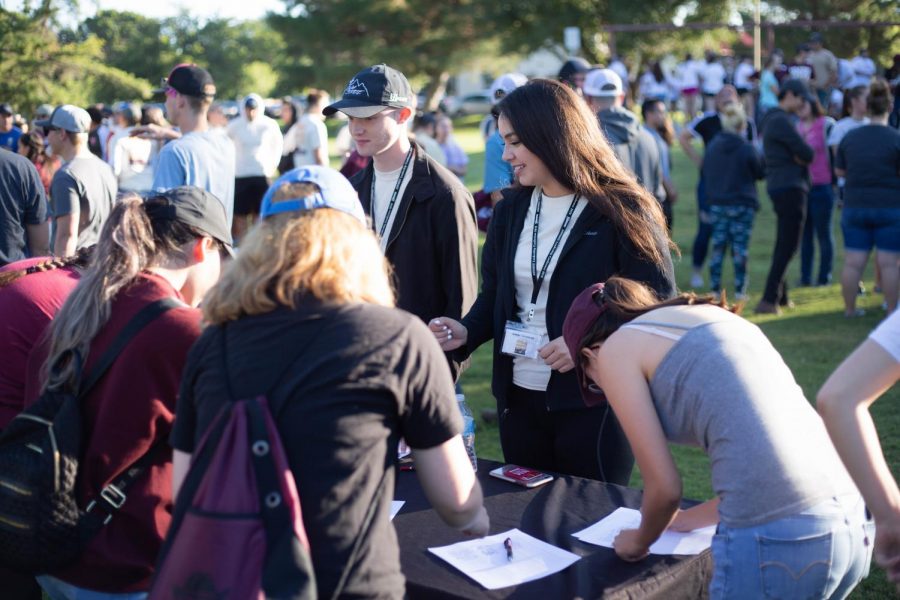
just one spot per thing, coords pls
(165, 247)
(575, 216)
(31, 146)
(791, 524)
(813, 125)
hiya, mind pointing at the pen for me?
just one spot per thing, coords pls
(507, 543)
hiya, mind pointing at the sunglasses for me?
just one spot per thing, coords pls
(48, 129)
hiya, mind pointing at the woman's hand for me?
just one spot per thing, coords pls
(628, 546)
(556, 355)
(450, 334)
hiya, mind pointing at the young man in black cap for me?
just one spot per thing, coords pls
(421, 211)
(200, 157)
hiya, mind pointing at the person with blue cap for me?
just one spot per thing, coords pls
(305, 315)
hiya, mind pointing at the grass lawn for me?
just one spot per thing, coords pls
(813, 337)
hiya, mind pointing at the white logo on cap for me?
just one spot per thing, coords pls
(356, 88)
(395, 98)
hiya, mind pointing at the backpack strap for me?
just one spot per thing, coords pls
(112, 496)
(144, 317)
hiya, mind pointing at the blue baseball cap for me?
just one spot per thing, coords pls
(334, 192)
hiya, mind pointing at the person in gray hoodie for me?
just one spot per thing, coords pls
(633, 145)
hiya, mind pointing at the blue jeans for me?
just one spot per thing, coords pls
(822, 552)
(820, 208)
(60, 590)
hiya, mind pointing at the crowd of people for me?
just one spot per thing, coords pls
(353, 305)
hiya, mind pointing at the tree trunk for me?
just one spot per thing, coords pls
(436, 91)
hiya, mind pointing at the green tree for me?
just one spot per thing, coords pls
(330, 40)
(131, 42)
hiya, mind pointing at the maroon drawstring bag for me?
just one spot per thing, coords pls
(238, 529)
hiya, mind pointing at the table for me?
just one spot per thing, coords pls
(551, 512)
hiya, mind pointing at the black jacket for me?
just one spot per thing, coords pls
(731, 166)
(781, 146)
(593, 251)
(433, 244)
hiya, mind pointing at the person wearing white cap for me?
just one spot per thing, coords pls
(83, 190)
(498, 173)
(633, 145)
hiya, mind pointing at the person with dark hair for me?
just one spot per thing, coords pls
(130, 156)
(731, 168)
(814, 127)
(787, 182)
(422, 213)
(84, 189)
(712, 80)
(357, 376)
(790, 523)
(425, 131)
(95, 145)
(768, 84)
(869, 158)
(576, 215)
(573, 72)
(825, 69)
(658, 124)
(168, 246)
(33, 147)
(9, 133)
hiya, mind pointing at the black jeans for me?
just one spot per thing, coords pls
(586, 442)
(790, 209)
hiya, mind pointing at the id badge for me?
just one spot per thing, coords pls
(520, 340)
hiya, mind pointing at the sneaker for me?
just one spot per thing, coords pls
(859, 312)
(741, 298)
(696, 280)
(767, 308)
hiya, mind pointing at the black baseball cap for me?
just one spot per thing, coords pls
(192, 206)
(6, 109)
(373, 90)
(189, 80)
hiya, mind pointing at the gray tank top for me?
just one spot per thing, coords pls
(725, 388)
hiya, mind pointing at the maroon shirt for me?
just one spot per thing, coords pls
(131, 408)
(27, 306)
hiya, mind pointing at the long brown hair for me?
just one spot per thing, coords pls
(129, 243)
(556, 125)
(80, 259)
(624, 300)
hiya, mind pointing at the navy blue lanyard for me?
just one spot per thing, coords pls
(390, 208)
(537, 280)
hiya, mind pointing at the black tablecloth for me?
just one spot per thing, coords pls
(552, 513)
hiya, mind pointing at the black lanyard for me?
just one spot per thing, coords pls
(538, 280)
(390, 207)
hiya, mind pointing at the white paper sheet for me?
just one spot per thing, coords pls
(485, 560)
(605, 531)
(396, 505)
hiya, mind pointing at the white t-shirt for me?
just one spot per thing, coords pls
(843, 127)
(530, 373)
(742, 74)
(385, 181)
(304, 138)
(689, 74)
(713, 77)
(863, 71)
(887, 335)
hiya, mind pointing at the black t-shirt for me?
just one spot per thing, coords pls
(22, 202)
(871, 157)
(359, 378)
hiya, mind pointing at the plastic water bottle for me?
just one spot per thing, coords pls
(468, 429)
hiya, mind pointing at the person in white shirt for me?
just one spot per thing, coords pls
(863, 69)
(855, 105)
(130, 156)
(713, 78)
(257, 150)
(307, 139)
(688, 75)
(743, 82)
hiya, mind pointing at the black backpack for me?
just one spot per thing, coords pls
(42, 528)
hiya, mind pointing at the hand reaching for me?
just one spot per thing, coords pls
(450, 333)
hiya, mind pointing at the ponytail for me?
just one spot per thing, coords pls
(80, 260)
(126, 248)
